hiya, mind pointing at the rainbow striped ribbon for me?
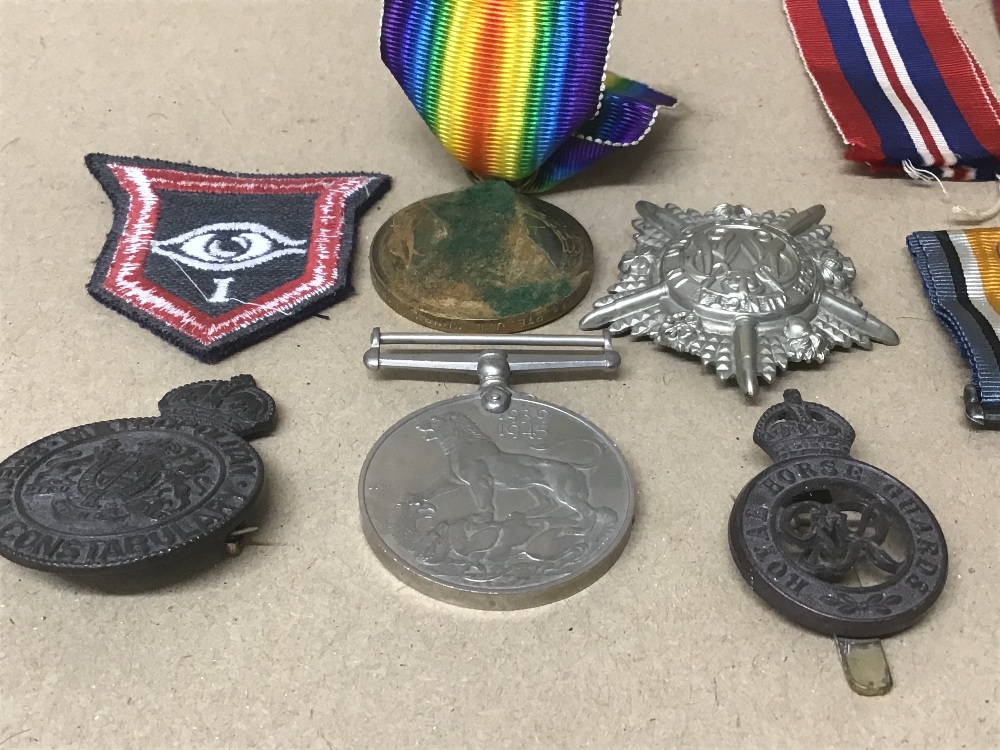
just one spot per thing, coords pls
(517, 89)
(961, 274)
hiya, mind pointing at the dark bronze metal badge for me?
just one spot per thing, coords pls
(482, 260)
(112, 494)
(834, 544)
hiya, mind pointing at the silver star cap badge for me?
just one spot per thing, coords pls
(747, 293)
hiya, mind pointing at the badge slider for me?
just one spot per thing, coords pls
(863, 660)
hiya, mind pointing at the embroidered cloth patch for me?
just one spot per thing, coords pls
(214, 262)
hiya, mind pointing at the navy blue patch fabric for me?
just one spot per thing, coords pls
(214, 261)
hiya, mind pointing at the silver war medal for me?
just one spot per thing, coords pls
(495, 499)
(747, 293)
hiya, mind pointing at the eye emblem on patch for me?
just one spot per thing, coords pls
(229, 247)
(214, 262)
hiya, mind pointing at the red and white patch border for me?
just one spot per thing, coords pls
(119, 280)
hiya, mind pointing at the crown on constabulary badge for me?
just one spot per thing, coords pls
(237, 404)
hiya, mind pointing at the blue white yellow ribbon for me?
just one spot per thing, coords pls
(961, 274)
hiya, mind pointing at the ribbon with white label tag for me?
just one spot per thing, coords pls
(901, 85)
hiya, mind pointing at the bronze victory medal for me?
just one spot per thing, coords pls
(113, 494)
(482, 260)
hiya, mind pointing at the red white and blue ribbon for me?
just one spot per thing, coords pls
(901, 85)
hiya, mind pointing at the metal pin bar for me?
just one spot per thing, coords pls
(518, 361)
(979, 413)
(491, 340)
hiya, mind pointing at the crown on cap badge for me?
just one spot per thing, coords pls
(801, 428)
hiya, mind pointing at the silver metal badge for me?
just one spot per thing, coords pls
(747, 293)
(495, 499)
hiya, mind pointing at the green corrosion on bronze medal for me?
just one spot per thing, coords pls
(483, 259)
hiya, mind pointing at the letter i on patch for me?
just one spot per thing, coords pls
(213, 261)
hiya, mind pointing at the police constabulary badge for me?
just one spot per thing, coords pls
(120, 494)
(213, 261)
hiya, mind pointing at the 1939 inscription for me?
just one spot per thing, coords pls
(529, 424)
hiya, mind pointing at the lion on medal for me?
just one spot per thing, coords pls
(557, 531)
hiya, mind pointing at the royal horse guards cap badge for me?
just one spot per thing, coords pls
(496, 499)
(835, 544)
(214, 262)
(108, 496)
(746, 293)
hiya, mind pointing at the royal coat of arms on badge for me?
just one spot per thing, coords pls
(746, 293)
(214, 262)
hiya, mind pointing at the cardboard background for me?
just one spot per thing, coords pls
(305, 640)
